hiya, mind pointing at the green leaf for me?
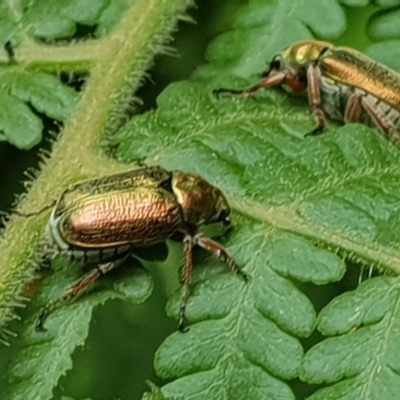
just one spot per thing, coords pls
(17, 123)
(68, 325)
(25, 93)
(339, 190)
(155, 393)
(361, 360)
(296, 201)
(111, 15)
(19, 92)
(385, 26)
(355, 3)
(59, 19)
(387, 3)
(8, 25)
(51, 20)
(224, 344)
(385, 52)
(43, 92)
(262, 31)
(70, 398)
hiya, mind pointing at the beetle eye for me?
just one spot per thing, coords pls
(224, 217)
(226, 221)
(276, 63)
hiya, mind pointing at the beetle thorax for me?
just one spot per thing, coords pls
(305, 52)
(201, 203)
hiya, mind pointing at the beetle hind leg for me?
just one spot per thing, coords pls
(186, 278)
(77, 289)
(360, 103)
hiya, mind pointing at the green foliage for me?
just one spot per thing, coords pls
(25, 92)
(340, 190)
(22, 91)
(301, 205)
(67, 328)
(59, 19)
(365, 324)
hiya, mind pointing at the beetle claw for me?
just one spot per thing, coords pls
(243, 275)
(141, 162)
(41, 320)
(182, 326)
(221, 91)
(317, 131)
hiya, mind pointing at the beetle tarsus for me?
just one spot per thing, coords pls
(9, 49)
(141, 162)
(182, 327)
(317, 131)
(243, 275)
(222, 91)
(41, 320)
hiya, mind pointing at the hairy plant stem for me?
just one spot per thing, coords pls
(127, 53)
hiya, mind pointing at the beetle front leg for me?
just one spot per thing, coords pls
(77, 289)
(215, 248)
(314, 95)
(212, 247)
(275, 79)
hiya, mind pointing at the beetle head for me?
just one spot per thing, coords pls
(201, 202)
(305, 52)
(293, 63)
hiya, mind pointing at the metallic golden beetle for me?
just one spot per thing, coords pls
(103, 221)
(342, 84)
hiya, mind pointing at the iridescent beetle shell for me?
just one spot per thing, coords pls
(102, 221)
(341, 83)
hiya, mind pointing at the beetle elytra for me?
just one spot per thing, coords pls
(102, 221)
(341, 83)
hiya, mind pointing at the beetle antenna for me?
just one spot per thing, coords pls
(38, 212)
(271, 80)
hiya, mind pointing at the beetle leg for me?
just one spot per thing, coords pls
(270, 81)
(211, 246)
(186, 277)
(314, 95)
(38, 212)
(215, 248)
(354, 108)
(77, 289)
(359, 102)
(9, 48)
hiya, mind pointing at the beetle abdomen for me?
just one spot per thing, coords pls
(334, 98)
(139, 217)
(336, 95)
(385, 111)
